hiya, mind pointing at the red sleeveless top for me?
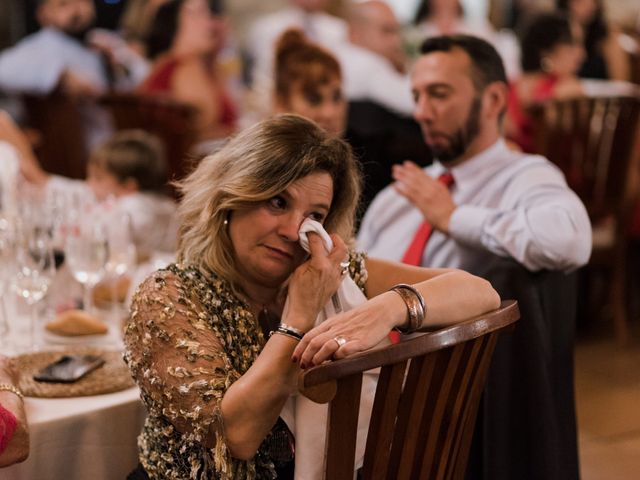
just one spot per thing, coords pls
(159, 82)
(523, 136)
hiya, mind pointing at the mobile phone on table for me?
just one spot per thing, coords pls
(69, 368)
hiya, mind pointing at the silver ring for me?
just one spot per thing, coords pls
(345, 268)
(340, 340)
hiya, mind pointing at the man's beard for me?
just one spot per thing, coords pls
(460, 140)
(79, 32)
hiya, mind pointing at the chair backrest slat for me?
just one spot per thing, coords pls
(343, 426)
(425, 405)
(383, 420)
(591, 139)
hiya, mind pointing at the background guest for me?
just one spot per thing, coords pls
(551, 57)
(605, 58)
(308, 82)
(126, 173)
(444, 17)
(310, 16)
(183, 43)
(56, 56)
(58, 59)
(375, 45)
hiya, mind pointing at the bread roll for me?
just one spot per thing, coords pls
(73, 323)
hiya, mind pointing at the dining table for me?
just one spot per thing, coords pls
(81, 438)
(84, 436)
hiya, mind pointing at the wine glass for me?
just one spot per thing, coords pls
(33, 272)
(6, 258)
(122, 256)
(86, 254)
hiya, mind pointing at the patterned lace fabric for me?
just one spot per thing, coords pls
(187, 340)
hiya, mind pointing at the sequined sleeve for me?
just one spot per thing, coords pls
(178, 362)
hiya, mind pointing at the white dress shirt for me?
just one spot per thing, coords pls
(508, 203)
(35, 64)
(369, 76)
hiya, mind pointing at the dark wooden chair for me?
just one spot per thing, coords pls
(593, 141)
(61, 135)
(173, 122)
(425, 406)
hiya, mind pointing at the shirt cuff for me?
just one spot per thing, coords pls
(467, 223)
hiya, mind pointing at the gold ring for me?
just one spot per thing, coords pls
(340, 340)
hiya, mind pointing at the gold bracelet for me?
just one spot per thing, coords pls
(7, 387)
(416, 308)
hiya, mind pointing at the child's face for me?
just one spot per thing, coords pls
(102, 183)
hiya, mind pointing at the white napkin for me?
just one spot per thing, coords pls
(308, 420)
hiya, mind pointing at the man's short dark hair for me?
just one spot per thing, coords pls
(487, 66)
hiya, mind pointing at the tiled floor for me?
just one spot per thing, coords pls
(608, 406)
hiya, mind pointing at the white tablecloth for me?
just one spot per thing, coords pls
(81, 438)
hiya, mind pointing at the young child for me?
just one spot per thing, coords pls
(126, 175)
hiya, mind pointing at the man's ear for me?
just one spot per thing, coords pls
(495, 99)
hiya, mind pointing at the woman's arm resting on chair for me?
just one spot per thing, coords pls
(450, 296)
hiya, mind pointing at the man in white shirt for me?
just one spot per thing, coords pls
(55, 56)
(511, 218)
(502, 202)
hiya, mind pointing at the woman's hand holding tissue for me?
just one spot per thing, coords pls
(313, 282)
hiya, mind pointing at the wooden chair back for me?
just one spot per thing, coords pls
(594, 141)
(61, 147)
(591, 139)
(173, 122)
(425, 405)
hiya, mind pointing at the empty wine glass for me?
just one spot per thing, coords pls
(33, 271)
(6, 257)
(122, 259)
(86, 254)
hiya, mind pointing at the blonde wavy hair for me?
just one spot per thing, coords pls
(256, 165)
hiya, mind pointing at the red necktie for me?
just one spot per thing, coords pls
(413, 255)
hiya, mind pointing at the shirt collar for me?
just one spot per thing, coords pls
(478, 168)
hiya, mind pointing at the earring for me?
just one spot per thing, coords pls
(226, 222)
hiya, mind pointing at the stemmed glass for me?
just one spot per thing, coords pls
(122, 255)
(34, 270)
(6, 257)
(86, 254)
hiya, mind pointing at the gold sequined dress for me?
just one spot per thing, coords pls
(188, 338)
